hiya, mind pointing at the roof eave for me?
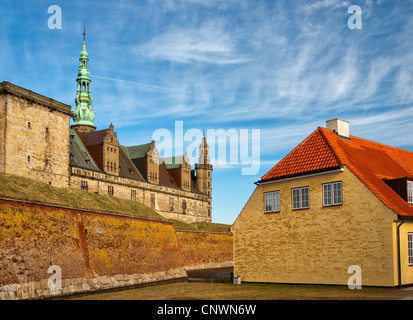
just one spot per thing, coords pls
(302, 174)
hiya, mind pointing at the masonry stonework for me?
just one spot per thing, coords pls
(34, 138)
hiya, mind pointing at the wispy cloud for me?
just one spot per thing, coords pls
(208, 44)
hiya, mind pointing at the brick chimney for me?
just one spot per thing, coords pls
(339, 126)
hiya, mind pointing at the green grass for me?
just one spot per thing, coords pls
(20, 188)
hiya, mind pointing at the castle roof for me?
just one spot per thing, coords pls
(371, 162)
(79, 154)
(136, 152)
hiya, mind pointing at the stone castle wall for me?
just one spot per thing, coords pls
(34, 140)
(95, 251)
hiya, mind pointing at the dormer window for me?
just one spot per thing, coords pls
(403, 187)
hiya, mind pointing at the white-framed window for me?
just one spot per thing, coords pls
(410, 192)
(300, 198)
(272, 201)
(332, 194)
(410, 248)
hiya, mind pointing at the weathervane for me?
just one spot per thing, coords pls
(84, 30)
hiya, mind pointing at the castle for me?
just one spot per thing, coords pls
(37, 141)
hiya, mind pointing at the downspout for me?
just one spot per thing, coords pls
(398, 254)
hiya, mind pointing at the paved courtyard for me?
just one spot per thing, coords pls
(250, 291)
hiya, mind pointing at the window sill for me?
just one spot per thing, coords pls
(300, 209)
(269, 212)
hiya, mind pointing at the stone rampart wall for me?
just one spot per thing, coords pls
(95, 251)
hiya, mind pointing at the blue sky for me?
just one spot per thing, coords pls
(283, 67)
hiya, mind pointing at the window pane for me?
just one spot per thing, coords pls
(337, 193)
(305, 198)
(410, 247)
(276, 201)
(410, 191)
(327, 195)
(268, 202)
(296, 198)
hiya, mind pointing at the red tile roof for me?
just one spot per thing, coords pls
(370, 161)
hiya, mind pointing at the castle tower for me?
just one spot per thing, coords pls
(84, 114)
(204, 169)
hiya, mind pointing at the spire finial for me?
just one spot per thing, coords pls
(84, 30)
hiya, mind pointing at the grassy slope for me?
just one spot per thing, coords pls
(16, 187)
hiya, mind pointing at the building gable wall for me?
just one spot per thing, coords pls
(319, 244)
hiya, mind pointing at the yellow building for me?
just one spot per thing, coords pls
(334, 202)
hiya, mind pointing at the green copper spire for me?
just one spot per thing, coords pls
(84, 113)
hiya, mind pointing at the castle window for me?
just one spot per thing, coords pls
(111, 149)
(29, 125)
(184, 206)
(209, 174)
(28, 158)
(83, 185)
(152, 200)
(111, 166)
(171, 204)
(107, 166)
(133, 195)
(47, 132)
(46, 162)
(209, 212)
(108, 149)
(114, 150)
(110, 190)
